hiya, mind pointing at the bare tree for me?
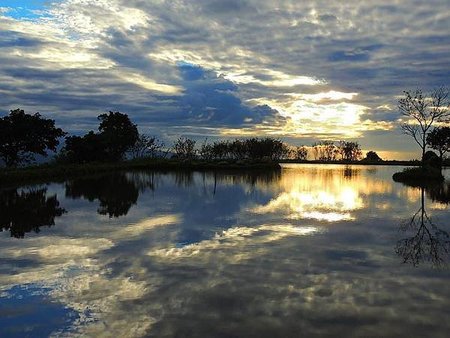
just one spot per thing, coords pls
(422, 112)
(146, 146)
(185, 148)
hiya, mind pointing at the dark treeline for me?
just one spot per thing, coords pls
(22, 136)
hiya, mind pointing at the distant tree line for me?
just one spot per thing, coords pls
(23, 136)
(331, 151)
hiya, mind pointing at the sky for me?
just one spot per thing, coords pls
(301, 71)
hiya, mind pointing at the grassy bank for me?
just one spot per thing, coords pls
(57, 172)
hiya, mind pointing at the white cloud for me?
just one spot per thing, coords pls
(316, 53)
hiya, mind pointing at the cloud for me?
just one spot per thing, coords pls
(130, 54)
(185, 256)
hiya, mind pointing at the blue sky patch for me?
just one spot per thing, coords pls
(27, 308)
(26, 9)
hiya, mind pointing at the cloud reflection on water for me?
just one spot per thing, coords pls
(192, 257)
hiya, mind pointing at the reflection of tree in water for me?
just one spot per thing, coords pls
(115, 192)
(350, 172)
(26, 211)
(439, 193)
(428, 243)
(186, 179)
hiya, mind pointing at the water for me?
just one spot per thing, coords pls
(309, 250)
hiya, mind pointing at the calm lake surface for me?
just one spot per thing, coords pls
(309, 250)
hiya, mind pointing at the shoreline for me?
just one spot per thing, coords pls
(57, 172)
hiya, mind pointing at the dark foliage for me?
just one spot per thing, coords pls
(116, 135)
(419, 175)
(350, 151)
(439, 140)
(248, 149)
(430, 159)
(372, 156)
(116, 193)
(26, 211)
(23, 135)
(87, 148)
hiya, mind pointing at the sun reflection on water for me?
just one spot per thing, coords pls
(330, 194)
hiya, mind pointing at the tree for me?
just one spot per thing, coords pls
(315, 150)
(439, 139)
(23, 135)
(118, 133)
(185, 148)
(372, 156)
(87, 148)
(422, 112)
(350, 151)
(300, 153)
(324, 151)
(146, 146)
(206, 151)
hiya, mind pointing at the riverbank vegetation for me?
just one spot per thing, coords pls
(118, 145)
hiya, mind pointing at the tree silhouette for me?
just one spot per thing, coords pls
(23, 135)
(439, 139)
(428, 243)
(115, 192)
(185, 148)
(146, 146)
(423, 111)
(26, 211)
(350, 151)
(372, 156)
(118, 134)
(87, 148)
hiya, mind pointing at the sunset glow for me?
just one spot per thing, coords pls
(296, 71)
